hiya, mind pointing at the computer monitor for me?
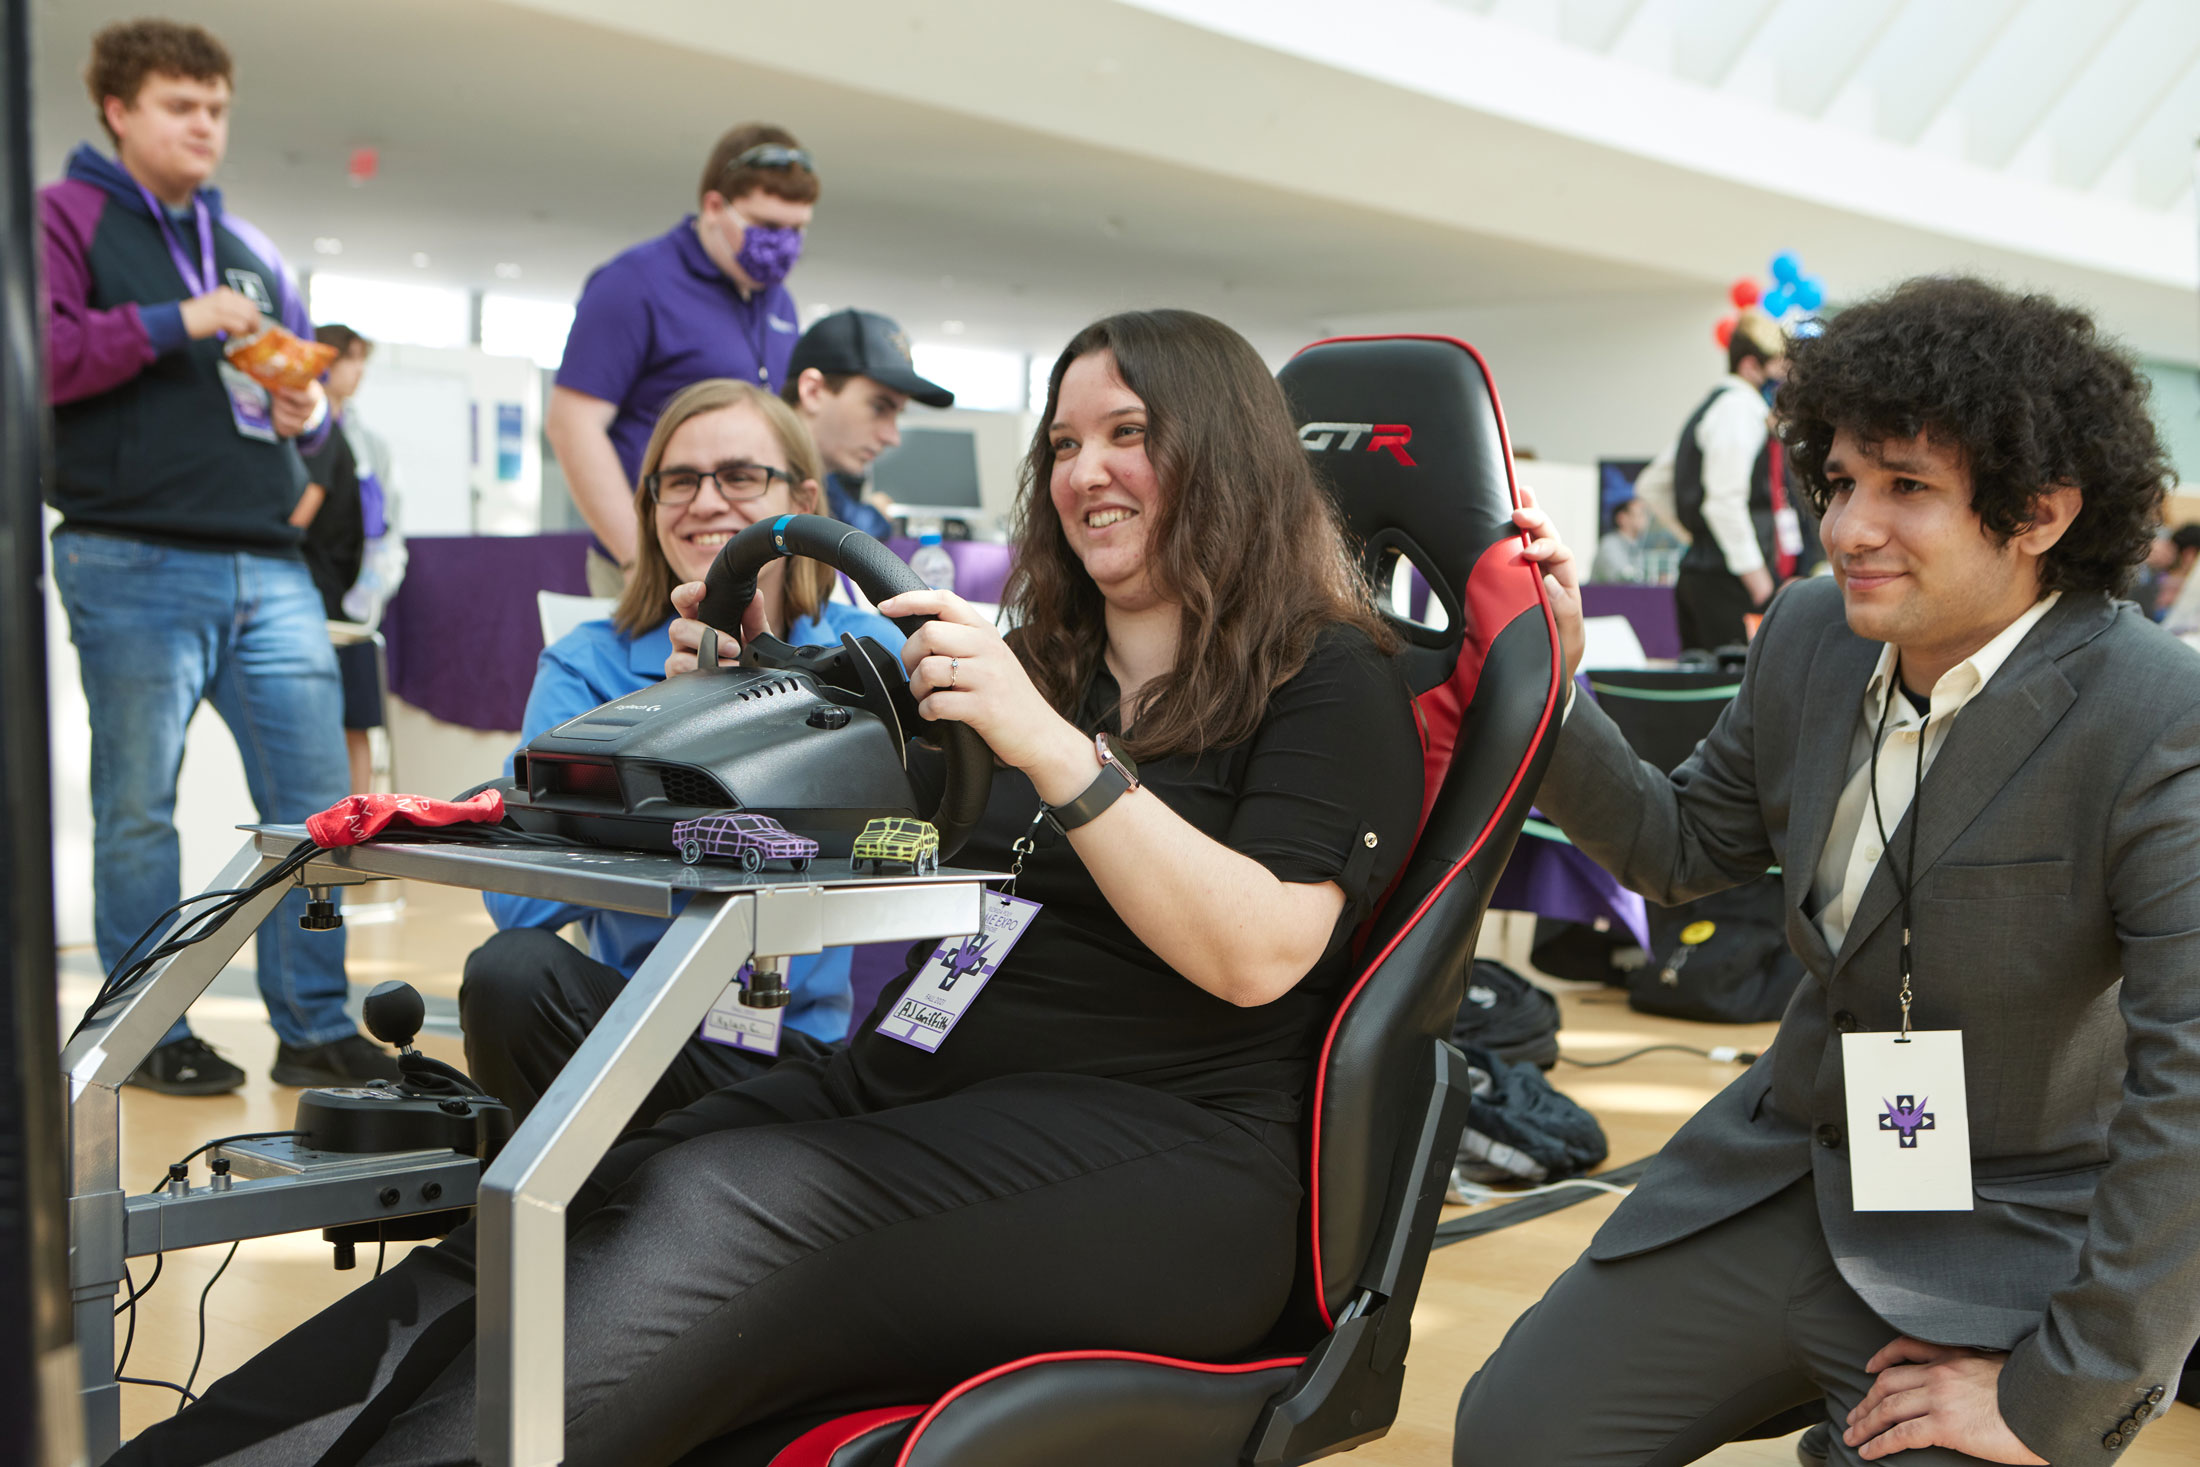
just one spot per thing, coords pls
(933, 469)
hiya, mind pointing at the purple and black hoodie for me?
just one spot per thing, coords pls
(145, 446)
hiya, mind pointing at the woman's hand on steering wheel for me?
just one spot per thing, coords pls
(687, 633)
(960, 670)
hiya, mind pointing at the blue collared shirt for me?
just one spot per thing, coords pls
(592, 665)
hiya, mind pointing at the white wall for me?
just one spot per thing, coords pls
(1610, 377)
(438, 407)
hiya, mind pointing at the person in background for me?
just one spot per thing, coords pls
(850, 378)
(1722, 482)
(704, 299)
(333, 511)
(724, 455)
(1623, 556)
(177, 479)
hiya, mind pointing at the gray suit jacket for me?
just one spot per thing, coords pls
(2057, 924)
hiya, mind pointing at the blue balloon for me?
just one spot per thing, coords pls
(1786, 268)
(1778, 301)
(1810, 293)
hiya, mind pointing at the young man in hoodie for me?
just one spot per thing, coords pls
(704, 299)
(178, 481)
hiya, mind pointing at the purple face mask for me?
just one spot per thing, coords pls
(768, 253)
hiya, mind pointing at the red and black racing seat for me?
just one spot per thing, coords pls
(1407, 432)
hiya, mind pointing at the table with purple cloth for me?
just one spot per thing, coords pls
(463, 632)
(1649, 609)
(981, 566)
(1551, 877)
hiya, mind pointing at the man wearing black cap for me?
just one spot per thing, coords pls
(850, 377)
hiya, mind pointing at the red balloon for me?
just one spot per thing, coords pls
(365, 163)
(1744, 293)
(1723, 332)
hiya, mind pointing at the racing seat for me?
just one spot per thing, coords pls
(1407, 432)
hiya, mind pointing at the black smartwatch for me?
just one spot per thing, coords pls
(1117, 778)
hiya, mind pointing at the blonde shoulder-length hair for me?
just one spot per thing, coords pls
(647, 601)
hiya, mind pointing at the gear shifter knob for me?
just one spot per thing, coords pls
(394, 1013)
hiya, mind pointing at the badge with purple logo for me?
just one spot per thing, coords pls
(956, 973)
(1911, 1153)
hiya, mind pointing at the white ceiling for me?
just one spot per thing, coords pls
(1020, 168)
(2097, 96)
(510, 136)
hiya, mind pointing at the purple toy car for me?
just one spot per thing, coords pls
(750, 839)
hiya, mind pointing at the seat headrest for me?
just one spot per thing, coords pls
(1408, 436)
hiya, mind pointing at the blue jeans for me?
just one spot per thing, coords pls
(157, 630)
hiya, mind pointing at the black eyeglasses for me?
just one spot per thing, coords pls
(736, 482)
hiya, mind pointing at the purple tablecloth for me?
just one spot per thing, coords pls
(1552, 878)
(463, 632)
(1648, 608)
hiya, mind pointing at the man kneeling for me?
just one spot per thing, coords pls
(1953, 1200)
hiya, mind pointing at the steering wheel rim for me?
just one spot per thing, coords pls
(730, 585)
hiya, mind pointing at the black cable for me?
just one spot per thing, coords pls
(137, 1293)
(1739, 1056)
(129, 1336)
(381, 1249)
(200, 1354)
(194, 928)
(166, 1385)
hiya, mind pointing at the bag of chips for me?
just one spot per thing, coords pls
(275, 357)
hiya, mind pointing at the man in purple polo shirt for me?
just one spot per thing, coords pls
(701, 300)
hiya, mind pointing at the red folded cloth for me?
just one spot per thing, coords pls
(356, 818)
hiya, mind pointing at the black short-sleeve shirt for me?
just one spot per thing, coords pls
(1335, 760)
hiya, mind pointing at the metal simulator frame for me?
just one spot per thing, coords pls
(730, 918)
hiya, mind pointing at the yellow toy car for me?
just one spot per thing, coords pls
(900, 840)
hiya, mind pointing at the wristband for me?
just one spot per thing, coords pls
(1117, 778)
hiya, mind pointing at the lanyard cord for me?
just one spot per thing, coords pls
(1902, 878)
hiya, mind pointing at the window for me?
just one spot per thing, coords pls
(514, 326)
(383, 310)
(984, 379)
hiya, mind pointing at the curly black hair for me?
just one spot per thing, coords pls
(2022, 386)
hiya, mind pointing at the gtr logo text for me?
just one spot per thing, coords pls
(1344, 437)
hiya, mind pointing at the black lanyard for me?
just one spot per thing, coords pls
(1902, 878)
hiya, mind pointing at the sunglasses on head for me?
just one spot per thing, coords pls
(774, 155)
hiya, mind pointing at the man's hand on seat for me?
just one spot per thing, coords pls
(1561, 577)
(1935, 1396)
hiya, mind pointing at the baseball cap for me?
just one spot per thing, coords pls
(869, 345)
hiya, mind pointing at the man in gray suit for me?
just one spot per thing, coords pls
(1980, 778)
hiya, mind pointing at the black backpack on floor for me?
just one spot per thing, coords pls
(1507, 1015)
(1723, 958)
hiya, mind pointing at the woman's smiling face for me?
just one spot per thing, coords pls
(692, 534)
(1103, 484)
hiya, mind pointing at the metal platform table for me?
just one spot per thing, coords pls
(730, 917)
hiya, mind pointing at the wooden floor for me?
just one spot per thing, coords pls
(1474, 1290)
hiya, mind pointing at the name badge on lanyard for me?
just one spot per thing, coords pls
(1909, 1121)
(1908, 1113)
(956, 973)
(733, 1023)
(251, 408)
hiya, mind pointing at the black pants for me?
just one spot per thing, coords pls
(530, 997)
(1710, 605)
(784, 1245)
(1655, 1360)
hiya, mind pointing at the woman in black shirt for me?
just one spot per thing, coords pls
(1103, 1152)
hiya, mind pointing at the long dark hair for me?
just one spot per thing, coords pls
(1244, 539)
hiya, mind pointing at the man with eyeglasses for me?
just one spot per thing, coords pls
(704, 299)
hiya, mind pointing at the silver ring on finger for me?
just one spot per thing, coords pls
(954, 665)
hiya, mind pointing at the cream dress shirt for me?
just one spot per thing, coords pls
(1853, 851)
